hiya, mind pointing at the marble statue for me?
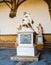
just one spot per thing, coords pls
(26, 21)
(40, 34)
(40, 30)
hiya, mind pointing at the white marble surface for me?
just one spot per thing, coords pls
(24, 29)
(25, 51)
(40, 40)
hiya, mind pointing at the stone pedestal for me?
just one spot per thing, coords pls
(40, 43)
(40, 39)
(26, 46)
(26, 51)
(25, 58)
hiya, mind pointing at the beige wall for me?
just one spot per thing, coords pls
(38, 10)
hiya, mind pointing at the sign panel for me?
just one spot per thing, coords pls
(25, 39)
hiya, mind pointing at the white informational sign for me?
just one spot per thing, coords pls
(25, 39)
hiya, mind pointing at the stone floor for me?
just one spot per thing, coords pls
(5, 54)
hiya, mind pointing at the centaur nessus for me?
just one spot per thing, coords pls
(26, 22)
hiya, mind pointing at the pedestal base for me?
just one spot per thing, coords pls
(26, 58)
(26, 51)
(40, 46)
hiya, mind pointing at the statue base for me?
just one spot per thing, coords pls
(26, 51)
